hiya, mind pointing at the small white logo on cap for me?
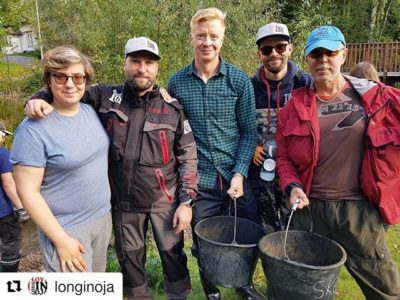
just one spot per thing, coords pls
(141, 44)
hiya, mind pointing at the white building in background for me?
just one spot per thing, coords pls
(20, 40)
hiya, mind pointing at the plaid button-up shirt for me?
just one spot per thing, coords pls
(222, 115)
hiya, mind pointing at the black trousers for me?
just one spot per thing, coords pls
(10, 238)
(216, 202)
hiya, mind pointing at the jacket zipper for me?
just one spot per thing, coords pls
(161, 181)
(164, 146)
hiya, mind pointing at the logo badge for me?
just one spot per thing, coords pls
(37, 285)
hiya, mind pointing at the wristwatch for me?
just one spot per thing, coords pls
(188, 203)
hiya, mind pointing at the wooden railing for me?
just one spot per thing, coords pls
(384, 56)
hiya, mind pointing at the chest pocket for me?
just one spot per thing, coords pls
(158, 142)
(116, 124)
(385, 152)
(300, 141)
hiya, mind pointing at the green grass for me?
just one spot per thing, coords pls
(19, 81)
(347, 289)
(10, 70)
(34, 54)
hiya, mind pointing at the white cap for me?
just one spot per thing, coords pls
(272, 29)
(141, 44)
(268, 171)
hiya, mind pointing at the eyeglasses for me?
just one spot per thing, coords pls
(267, 50)
(319, 52)
(62, 79)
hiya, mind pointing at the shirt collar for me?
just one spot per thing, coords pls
(221, 72)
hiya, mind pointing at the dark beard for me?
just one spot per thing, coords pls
(139, 88)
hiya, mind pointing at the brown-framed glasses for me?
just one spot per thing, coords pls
(319, 52)
(62, 78)
(267, 50)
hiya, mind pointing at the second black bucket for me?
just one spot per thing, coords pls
(224, 263)
(310, 273)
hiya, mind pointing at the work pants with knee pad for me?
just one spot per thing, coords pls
(130, 230)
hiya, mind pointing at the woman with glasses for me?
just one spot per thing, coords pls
(60, 169)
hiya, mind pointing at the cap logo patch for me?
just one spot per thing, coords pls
(322, 33)
(279, 29)
(151, 45)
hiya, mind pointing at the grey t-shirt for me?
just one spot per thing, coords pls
(74, 152)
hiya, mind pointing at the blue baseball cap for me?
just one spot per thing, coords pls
(328, 37)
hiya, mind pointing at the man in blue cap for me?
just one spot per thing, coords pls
(331, 157)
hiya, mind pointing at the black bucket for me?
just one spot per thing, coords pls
(311, 270)
(223, 263)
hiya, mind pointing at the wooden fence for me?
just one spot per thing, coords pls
(384, 56)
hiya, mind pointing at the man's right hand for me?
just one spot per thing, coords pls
(37, 109)
(297, 193)
(258, 157)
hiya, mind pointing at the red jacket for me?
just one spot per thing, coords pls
(298, 139)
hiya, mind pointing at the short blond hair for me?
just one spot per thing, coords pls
(208, 14)
(62, 57)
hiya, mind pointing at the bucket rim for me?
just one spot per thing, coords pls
(228, 244)
(302, 265)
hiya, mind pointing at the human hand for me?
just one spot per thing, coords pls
(258, 157)
(37, 109)
(297, 193)
(69, 252)
(182, 218)
(23, 215)
(236, 189)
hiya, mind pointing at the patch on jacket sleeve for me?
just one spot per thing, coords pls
(186, 127)
(116, 97)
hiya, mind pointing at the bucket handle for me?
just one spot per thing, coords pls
(234, 226)
(294, 207)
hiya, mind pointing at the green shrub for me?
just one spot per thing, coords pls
(397, 85)
(112, 264)
(16, 79)
(154, 266)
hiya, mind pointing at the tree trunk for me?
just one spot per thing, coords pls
(372, 19)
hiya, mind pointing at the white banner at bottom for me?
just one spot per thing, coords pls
(59, 286)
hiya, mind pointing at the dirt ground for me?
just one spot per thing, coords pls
(32, 260)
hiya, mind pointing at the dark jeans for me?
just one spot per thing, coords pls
(216, 202)
(357, 226)
(10, 238)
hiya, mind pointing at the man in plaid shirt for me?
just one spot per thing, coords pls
(218, 99)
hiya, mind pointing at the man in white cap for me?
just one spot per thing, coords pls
(338, 153)
(273, 84)
(9, 227)
(152, 171)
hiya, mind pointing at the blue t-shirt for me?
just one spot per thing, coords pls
(74, 152)
(6, 207)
